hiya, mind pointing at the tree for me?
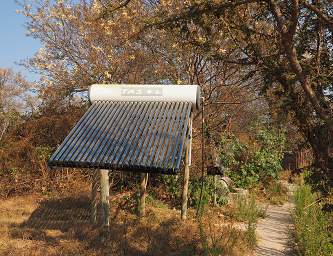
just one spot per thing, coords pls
(287, 43)
(99, 42)
(14, 99)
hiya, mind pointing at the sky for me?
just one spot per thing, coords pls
(15, 46)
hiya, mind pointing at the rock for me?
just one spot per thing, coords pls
(241, 192)
(228, 181)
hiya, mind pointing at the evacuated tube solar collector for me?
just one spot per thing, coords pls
(140, 128)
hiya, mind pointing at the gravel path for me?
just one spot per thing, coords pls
(275, 232)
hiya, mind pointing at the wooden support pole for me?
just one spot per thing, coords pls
(185, 188)
(94, 188)
(142, 201)
(105, 193)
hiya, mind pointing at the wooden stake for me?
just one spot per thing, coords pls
(186, 172)
(142, 202)
(94, 188)
(185, 187)
(105, 193)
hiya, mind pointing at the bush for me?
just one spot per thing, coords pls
(174, 187)
(247, 164)
(172, 184)
(312, 224)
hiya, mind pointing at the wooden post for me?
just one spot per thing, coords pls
(94, 188)
(215, 195)
(185, 187)
(143, 187)
(105, 193)
(186, 174)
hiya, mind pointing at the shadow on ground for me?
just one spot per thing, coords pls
(64, 225)
(61, 214)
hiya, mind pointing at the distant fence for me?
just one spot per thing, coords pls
(298, 160)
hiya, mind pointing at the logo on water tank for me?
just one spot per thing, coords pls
(142, 91)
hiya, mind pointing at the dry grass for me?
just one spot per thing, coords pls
(58, 225)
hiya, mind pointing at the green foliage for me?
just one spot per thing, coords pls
(232, 151)
(43, 152)
(207, 193)
(312, 224)
(151, 200)
(248, 164)
(221, 194)
(172, 184)
(174, 187)
(195, 191)
(250, 235)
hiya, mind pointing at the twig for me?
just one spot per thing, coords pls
(318, 200)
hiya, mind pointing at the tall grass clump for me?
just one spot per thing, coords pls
(312, 224)
(226, 241)
(276, 192)
(247, 210)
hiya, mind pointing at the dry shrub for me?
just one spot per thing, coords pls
(26, 147)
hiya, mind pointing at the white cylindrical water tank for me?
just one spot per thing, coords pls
(151, 92)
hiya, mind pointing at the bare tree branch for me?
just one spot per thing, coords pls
(328, 21)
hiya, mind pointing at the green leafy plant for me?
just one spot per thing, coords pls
(195, 192)
(208, 192)
(248, 164)
(173, 186)
(312, 224)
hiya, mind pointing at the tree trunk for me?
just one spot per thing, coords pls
(319, 136)
(322, 145)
